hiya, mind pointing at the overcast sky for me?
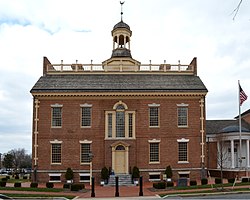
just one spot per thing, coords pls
(80, 30)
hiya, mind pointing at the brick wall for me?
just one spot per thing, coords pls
(71, 133)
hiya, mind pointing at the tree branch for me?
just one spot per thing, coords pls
(236, 10)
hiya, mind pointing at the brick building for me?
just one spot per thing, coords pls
(122, 112)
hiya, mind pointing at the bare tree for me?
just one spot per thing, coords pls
(20, 158)
(222, 155)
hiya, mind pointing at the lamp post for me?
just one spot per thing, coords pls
(90, 166)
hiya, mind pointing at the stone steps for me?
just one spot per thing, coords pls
(124, 179)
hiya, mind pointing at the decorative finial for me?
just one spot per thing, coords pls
(121, 8)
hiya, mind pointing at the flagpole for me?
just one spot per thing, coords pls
(240, 160)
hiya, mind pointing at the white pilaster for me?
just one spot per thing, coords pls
(247, 155)
(232, 154)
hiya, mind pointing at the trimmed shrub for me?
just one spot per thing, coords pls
(244, 180)
(170, 184)
(193, 182)
(33, 185)
(218, 181)
(25, 177)
(2, 184)
(159, 185)
(66, 185)
(16, 177)
(4, 179)
(17, 184)
(69, 175)
(77, 186)
(204, 181)
(230, 180)
(49, 185)
(8, 177)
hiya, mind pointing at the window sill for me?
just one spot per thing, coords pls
(56, 163)
(153, 163)
(56, 126)
(183, 162)
(154, 126)
(85, 126)
(120, 138)
(86, 163)
(182, 126)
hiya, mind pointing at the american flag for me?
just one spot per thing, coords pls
(243, 96)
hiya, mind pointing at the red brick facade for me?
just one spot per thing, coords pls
(121, 81)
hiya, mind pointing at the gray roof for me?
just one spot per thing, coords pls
(226, 126)
(121, 52)
(119, 83)
(121, 24)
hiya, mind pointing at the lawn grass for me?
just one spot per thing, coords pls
(214, 186)
(33, 189)
(37, 195)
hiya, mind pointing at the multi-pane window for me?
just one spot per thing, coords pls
(85, 153)
(110, 124)
(153, 116)
(182, 116)
(154, 152)
(130, 124)
(86, 116)
(56, 153)
(120, 123)
(56, 116)
(183, 151)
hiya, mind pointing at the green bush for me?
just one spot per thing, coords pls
(193, 182)
(244, 180)
(17, 184)
(69, 175)
(159, 185)
(77, 186)
(8, 177)
(168, 171)
(25, 177)
(49, 185)
(2, 184)
(17, 177)
(204, 181)
(4, 179)
(170, 184)
(230, 180)
(33, 185)
(135, 172)
(66, 185)
(218, 181)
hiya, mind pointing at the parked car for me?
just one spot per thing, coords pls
(4, 197)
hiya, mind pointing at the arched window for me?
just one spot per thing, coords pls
(120, 123)
(120, 148)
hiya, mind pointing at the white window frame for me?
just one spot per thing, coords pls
(57, 175)
(181, 106)
(155, 141)
(154, 105)
(52, 118)
(86, 175)
(183, 140)
(82, 107)
(51, 154)
(154, 173)
(82, 143)
(113, 126)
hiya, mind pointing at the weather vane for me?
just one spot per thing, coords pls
(121, 8)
